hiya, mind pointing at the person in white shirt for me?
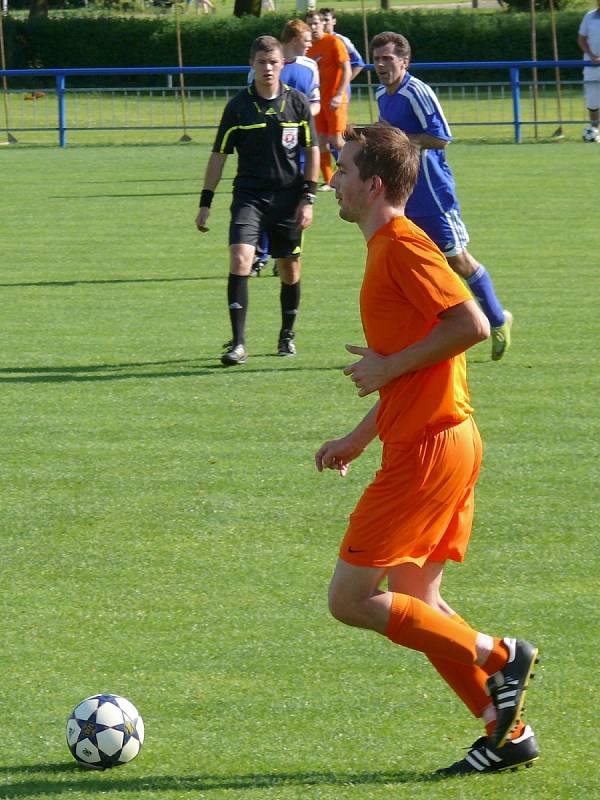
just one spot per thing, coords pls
(588, 40)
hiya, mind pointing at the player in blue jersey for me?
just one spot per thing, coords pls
(411, 105)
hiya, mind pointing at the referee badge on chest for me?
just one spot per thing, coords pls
(289, 137)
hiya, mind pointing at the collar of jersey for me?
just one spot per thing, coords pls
(253, 92)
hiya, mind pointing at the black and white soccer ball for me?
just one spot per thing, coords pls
(104, 731)
(590, 134)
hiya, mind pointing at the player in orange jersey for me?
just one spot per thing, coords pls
(418, 320)
(335, 73)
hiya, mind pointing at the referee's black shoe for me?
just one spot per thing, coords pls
(234, 355)
(507, 687)
(484, 757)
(286, 346)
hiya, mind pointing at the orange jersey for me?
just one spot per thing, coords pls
(407, 284)
(329, 53)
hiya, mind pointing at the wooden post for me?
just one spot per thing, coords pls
(534, 71)
(10, 139)
(558, 133)
(185, 137)
(367, 58)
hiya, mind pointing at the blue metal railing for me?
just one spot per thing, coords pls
(61, 75)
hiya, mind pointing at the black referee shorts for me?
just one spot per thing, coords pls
(274, 213)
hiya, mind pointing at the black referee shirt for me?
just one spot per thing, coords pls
(268, 136)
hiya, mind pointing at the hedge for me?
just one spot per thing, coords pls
(136, 42)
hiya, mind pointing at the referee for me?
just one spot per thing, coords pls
(268, 124)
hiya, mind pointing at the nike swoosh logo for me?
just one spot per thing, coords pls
(352, 550)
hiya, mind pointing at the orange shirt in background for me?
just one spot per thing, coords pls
(407, 284)
(329, 53)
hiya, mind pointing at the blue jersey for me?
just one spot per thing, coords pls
(356, 60)
(302, 74)
(414, 108)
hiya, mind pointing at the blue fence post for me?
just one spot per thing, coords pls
(515, 87)
(60, 94)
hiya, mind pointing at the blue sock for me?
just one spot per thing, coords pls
(262, 249)
(335, 153)
(482, 287)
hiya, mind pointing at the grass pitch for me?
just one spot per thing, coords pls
(165, 534)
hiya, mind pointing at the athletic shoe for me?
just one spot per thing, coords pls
(507, 687)
(286, 346)
(257, 267)
(275, 269)
(484, 757)
(325, 187)
(234, 355)
(501, 337)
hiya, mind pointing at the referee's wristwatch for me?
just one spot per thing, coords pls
(309, 192)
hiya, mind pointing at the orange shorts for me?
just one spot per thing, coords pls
(420, 505)
(328, 122)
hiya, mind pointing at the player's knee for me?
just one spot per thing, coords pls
(345, 608)
(240, 264)
(339, 606)
(464, 264)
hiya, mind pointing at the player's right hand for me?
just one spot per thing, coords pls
(337, 454)
(202, 219)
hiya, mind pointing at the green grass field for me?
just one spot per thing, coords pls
(166, 536)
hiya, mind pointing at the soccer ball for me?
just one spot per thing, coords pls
(591, 134)
(105, 730)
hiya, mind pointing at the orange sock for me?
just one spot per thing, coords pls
(326, 168)
(497, 658)
(470, 683)
(518, 731)
(467, 681)
(416, 625)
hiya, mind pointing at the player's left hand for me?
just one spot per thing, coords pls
(370, 372)
(335, 102)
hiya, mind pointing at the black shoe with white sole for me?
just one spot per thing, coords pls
(484, 757)
(507, 687)
(285, 345)
(234, 355)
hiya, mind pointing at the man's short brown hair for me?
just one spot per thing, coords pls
(264, 44)
(401, 43)
(387, 152)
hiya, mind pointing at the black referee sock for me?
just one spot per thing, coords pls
(237, 298)
(290, 302)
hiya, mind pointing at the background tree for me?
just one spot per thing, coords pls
(243, 7)
(38, 8)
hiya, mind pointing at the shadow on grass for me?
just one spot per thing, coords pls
(181, 368)
(101, 281)
(91, 783)
(113, 194)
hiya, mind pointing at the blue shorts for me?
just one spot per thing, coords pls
(447, 230)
